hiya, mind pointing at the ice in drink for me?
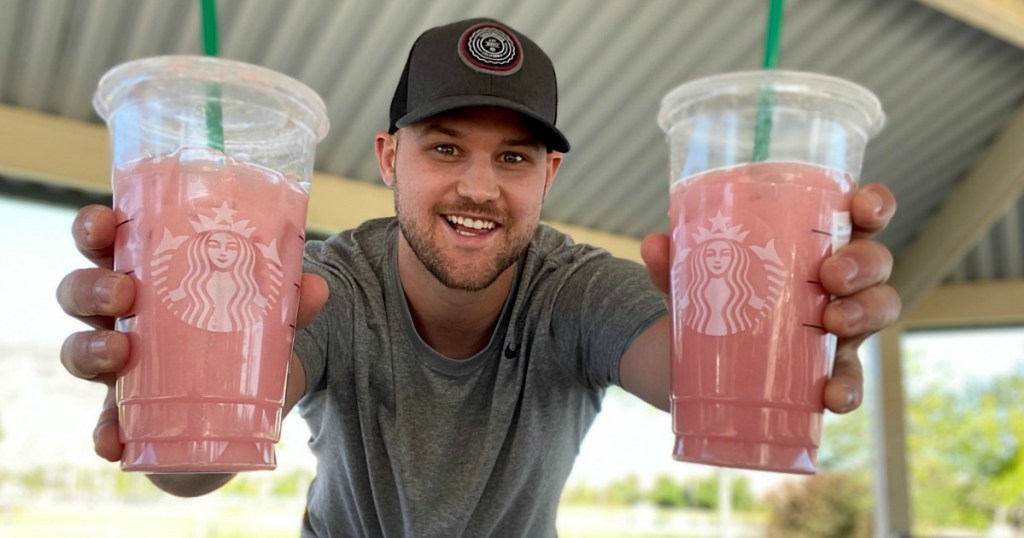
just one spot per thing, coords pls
(751, 354)
(214, 247)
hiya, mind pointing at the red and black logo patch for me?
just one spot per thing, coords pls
(492, 49)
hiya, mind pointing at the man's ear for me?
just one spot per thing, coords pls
(386, 145)
(554, 161)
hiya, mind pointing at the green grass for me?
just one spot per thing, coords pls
(257, 518)
(171, 520)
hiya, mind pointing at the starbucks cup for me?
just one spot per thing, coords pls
(211, 167)
(763, 167)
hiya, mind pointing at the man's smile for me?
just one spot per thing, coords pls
(470, 226)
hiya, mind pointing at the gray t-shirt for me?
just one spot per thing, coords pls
(411, 443)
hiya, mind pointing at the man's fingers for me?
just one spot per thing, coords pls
(656, 251)
(96, 355)
(86, 293)
(856, 274)
(871, 210)
(853, 319)
(94, 230)
(859, 265)
(863, 313)
(105, 438)
(845, 390)
(313, 294)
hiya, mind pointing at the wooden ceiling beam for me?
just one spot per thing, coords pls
(966, 305)
(73, 154)
(1003, 19)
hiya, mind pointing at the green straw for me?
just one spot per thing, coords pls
(214, 117)
(773, 34)
(765, 101)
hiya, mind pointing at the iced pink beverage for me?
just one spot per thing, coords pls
(750, 355)
(214, 247)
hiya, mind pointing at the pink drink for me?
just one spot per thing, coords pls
(215, 248)
(750, 356)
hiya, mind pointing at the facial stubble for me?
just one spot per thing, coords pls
(433, 258)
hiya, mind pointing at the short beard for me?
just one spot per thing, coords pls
(433, 259)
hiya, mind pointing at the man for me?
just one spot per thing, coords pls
(453, 358)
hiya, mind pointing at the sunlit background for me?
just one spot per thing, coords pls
(938, 449)
(965, 443)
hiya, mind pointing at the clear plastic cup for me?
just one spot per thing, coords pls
(211, 161)
(763, 167)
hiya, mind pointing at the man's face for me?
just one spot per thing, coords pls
(468, 187)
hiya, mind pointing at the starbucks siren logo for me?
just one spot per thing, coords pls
(209, 278)
(729, 285)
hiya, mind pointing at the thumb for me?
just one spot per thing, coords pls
(313, 294)
(655, 252)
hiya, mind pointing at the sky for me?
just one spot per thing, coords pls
(52, 415)
(970, 355)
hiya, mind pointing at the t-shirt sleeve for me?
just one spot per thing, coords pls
(599, 310)
(315, 342)
(312, 351)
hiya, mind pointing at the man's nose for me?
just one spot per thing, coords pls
(479, 184)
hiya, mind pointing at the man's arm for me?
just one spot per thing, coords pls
(645, 367)
(856, 275)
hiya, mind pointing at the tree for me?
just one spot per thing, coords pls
(290, 484)
(846, 443)
(700, 493)
(624, 491)
(666, 492)
(743, 498)
(966, 447)
(581, 494)
(826, 505)
(965, 444)
(997, 428)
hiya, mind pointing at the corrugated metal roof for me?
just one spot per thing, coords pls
(947, 88)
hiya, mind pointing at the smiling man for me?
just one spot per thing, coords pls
(453, 357)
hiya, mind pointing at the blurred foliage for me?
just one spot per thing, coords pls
(965, 447)
(665, 491)
(826, 505)
(65, 480)
(625, 491)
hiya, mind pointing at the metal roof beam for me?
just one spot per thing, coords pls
(991, 186)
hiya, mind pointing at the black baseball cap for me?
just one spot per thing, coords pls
(478, 62)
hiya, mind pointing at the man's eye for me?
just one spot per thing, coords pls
(445, 149)
(511, 158)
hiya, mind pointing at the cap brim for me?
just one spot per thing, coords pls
(551, 136)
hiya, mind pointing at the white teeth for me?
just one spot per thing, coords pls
(471, 223)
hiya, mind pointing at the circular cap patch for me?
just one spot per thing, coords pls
(491, 49)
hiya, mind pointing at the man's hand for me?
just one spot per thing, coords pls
(98, 295)
(856, 275)
(864, 303)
